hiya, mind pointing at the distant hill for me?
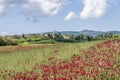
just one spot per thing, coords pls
(88, 32)
(75, 33)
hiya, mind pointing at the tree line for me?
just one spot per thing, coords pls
(81, 37)
(51, 38)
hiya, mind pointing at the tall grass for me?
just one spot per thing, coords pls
(26, 59)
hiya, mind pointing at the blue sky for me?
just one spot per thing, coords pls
(60, 15)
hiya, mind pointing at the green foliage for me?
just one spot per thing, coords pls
(8, 41)
(16, 37)
(2, 42)
(21, 41)
(89, 38)
(80, 37)
(43, 42)
(35, 38)
(58, 37)
(52, 37)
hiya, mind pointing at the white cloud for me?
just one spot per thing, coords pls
(44, 7)
(70, 16)
(33, 7)
(2, 6)
(38, 8)
(1, 9)
(93, 8)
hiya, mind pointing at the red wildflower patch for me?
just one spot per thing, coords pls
(97, 63)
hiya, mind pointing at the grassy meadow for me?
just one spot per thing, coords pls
(24, 57)
(16, 61)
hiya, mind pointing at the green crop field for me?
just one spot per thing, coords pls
(27, 62)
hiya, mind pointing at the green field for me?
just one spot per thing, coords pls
(25, 57)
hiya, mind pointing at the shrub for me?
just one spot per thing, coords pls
(8, 41)
(44, 42)
(2, 42)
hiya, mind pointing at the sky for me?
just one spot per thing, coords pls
(35, 16)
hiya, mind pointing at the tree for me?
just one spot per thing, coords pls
(101, 36)
(8, 41)
(89, 38)
(16, 36)
(2, 42)
(58, 37)
(50, 36)
(110, 35)
(23, 35)
(80, 37)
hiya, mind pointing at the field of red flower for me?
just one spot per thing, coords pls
(99, 62)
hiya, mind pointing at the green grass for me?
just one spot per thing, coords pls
(25, 60)
(43, 42)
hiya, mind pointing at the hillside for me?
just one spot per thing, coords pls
(89, 32)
